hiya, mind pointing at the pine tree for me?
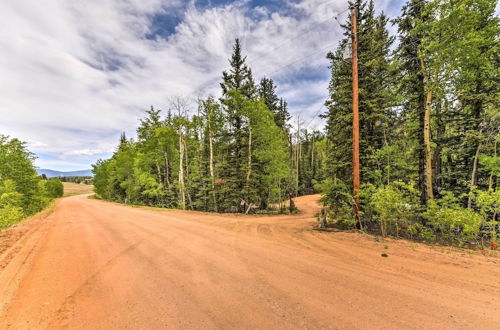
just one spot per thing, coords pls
(238, 88)
(376, 91)
(376, 103)
(412, 85)
(239, 76)
(267, 91)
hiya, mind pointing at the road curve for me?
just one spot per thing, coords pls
(97, 265)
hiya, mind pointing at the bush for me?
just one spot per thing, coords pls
(22, 191)
(54, 188)
(10, 204)
(337, 198)
(393, 207)
(488, 206)
(10, 215)
(419, 231)
(452, 222)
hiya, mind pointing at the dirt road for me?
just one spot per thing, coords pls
(97, 265)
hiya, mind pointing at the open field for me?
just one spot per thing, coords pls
(98, 265)
(71, 189)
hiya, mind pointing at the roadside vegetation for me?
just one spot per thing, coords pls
(429, 124)
(235, 154)
(22, 192)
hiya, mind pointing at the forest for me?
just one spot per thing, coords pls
(22, 192)
(429, 126)
(236, 154)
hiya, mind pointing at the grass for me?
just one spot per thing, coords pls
(72, 189)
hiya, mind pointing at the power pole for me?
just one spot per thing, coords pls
(297, 149)
(355, 120)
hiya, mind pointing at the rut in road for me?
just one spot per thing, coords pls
(95, 264)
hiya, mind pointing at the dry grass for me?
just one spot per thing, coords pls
(71, 189)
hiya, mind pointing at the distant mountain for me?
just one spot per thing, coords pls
(55, 174)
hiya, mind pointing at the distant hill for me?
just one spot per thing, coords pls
(55, 174)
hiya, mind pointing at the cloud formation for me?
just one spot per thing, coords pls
(74, 74)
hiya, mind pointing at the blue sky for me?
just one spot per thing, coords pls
(75, 74)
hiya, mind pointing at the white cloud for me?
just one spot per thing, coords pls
(87, 152)
(74, 74)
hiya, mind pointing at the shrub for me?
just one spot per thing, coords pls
(394, 207)
(22, 191)
(452, 222)
(337, 198)
(10, 215)
(488, 206)
(54, 188)
(10, 204)
(419, 231)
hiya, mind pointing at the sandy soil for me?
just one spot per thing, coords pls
(97, 265)
(71, 189)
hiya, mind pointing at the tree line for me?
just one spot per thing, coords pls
(429, 122)
(76, 179)
(22, 191)
(232, 154)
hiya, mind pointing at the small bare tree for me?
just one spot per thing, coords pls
(180, 106)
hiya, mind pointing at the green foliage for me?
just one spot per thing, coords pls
(491, 165)
(488, 206)
(376, 98)
(452, 222)
(54, 188)
(267, 92)
(394, 207)
(10, 215)
(22, 191)
(10, 204)
(234, 155)
(337, 198)
(447, 61)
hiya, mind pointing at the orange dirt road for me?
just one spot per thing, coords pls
(97, 265)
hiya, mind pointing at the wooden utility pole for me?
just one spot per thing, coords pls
(297, 152)
(355, 120)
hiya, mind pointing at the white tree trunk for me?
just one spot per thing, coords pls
(182, 192)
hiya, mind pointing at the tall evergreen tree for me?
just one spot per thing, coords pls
(267, 91)
(376, 101)
(412, 86)
(238, 88)
(239, 76)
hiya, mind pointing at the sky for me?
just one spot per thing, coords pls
(75, 74)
